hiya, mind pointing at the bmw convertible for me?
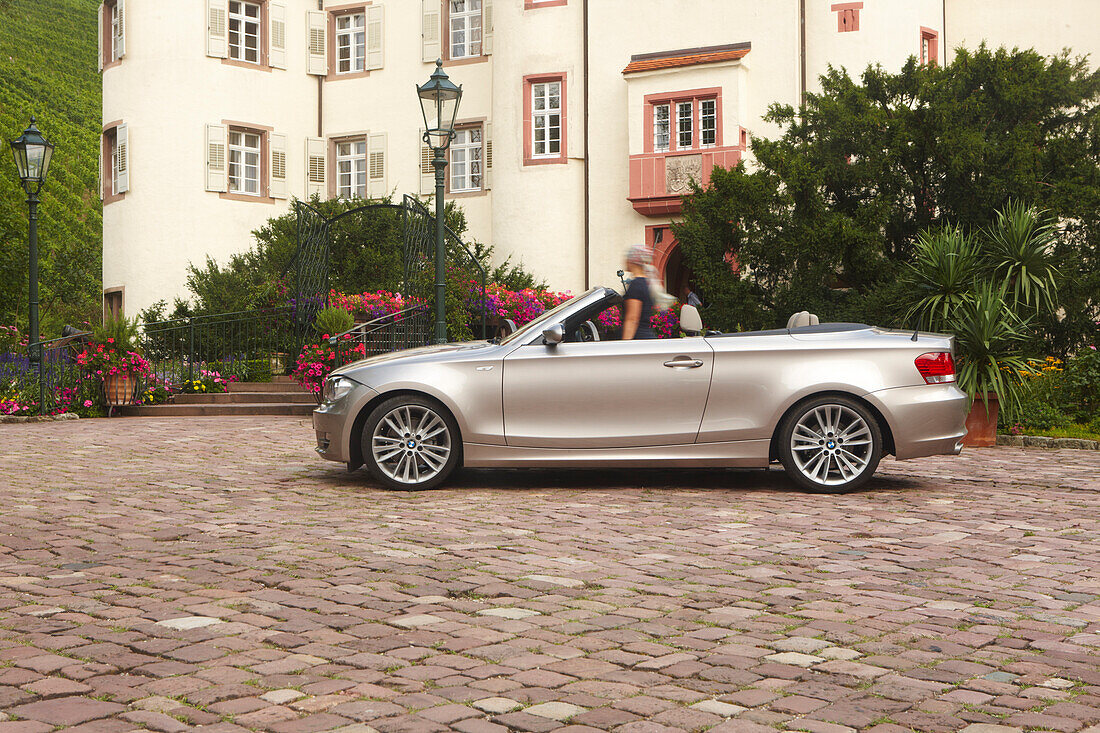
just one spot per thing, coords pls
(826, 400)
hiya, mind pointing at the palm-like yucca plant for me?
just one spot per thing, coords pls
(988, 340)
(1019, 250)
(942, 275)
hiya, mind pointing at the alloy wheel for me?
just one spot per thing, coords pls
(832, 445)
(411, 444)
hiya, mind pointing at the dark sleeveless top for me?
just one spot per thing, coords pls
(639, 290)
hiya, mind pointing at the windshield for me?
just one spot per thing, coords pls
(540, 321)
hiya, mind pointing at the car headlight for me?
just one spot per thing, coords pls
(336, 388)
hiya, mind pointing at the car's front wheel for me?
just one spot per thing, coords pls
(410, 443)
(830, 444)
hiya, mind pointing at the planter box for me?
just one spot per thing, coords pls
(981, 424)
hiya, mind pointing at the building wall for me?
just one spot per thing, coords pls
(166, 89)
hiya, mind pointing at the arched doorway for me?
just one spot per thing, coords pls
(668, 258)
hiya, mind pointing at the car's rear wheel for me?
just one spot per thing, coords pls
(830, 444)
(410, 443)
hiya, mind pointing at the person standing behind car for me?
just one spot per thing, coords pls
(643, 291)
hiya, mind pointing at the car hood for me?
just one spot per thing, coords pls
(423, 353)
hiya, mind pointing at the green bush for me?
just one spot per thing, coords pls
(1082, 385)
(333, 321)
(118, 331)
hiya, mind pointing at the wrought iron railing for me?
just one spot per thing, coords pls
(250, 345)
(48, 382)
(404, 329)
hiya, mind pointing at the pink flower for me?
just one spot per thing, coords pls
(87, 403)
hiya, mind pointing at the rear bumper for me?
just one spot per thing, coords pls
(927, 420)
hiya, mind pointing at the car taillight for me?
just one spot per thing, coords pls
(937, 367)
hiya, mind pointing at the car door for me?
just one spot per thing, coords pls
(606, 394)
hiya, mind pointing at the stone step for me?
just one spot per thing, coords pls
(253, 408)
(236, 396)
(280, 384)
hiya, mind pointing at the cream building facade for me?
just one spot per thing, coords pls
(581, 123)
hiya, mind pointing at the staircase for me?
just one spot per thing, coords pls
(280, 396)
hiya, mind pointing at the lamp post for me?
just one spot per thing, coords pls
(439, 99)
(32, 159)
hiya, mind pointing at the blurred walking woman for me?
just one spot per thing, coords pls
(644, 291)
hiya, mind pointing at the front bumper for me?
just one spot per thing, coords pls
(334, 423)
(926, 420)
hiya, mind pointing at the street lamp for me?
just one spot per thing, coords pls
(32, 158)
(439, 99)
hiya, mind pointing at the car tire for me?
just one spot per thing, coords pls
(410, 443)
(830, 444)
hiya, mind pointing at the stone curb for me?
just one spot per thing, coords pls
(8, 419)
(1042, 441)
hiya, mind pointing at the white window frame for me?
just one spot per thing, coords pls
(685, 118)
(241, 151)
(541, 119)
(116, 32)
(351, 168)
(468, 22)
(112, 140)
(467, 160)
(706, 117)
(239, 22)
(353, 40)
(662, 127)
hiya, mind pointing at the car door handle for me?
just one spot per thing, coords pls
(684, 362)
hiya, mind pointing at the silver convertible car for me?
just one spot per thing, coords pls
(825, 400)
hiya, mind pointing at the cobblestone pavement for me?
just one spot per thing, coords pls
(170, 574)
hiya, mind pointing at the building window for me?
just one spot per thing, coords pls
(847, 16)
(708, 123)
(679, 119)
(116, 33)
(685, 112)
(244, 31)
(466, 160)
(929, 46)
(115, 163)
(546, 119)
(245, 154)
(351, 169)
(661, 128)
(465, 28)
(351, 43)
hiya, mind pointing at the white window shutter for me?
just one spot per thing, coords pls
(316, 167)
(122, 157)
(276, 14)
(121, 41)
(217, 28)
(487, 146)
(375, 36)
(487, 27)
(99, 39)
(376, 166)
(102, 162)
(317, 42)
(217, 145)
(427, 171)
(276, 145)
(431, 31)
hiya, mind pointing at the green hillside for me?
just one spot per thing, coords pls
(48, 69)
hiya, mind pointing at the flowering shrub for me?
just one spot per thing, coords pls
(316, 362)
(157, 394)
(368, 306)
(12, 402)
(104, 360)
(9, 338)
(209, 381)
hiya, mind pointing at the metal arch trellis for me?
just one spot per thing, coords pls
(312, 260)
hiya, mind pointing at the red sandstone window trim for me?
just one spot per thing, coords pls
(933, 38)
(265, 154)
(847, 16)
(334, 12)
(695, 96)
(536, 4)
(264, 63)
(529, 82)
(106, 163)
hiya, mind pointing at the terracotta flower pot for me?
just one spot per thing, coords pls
(118, 389)
(981, 424)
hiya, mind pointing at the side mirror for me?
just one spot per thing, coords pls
(690, 321)
(553, 335)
